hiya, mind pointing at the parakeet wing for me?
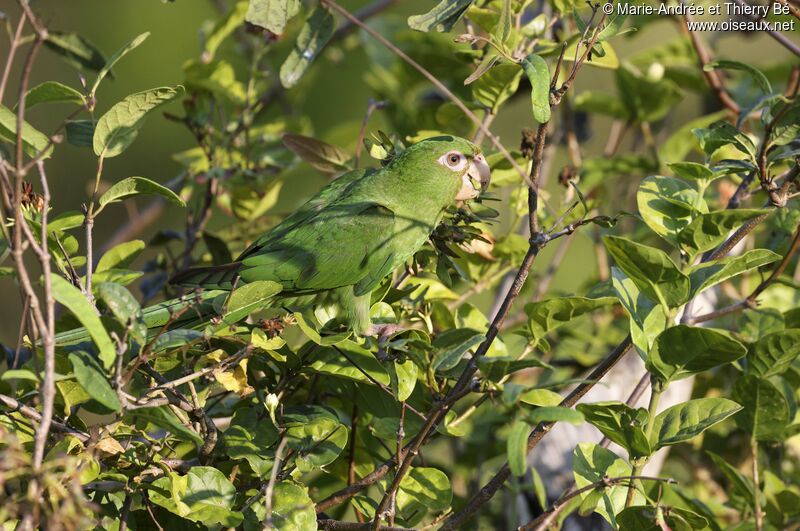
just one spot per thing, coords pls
(324, 197)
(343, 244)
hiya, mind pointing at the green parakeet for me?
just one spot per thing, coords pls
(344, 241)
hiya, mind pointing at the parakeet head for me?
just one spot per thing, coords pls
(454, 159)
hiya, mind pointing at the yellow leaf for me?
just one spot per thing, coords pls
(235, 380)
(109, 445)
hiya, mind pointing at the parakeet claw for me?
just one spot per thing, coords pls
(384, 332)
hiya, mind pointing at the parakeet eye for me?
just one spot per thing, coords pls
(454, 160)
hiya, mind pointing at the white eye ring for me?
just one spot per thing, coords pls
(453, 160)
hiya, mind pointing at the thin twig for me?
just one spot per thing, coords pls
(712, 77)
(15, 42)
(270, 487)
(430, 77)
(15, 405)
(544, 520)
(778, 36)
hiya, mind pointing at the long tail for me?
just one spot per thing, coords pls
(213, 277)
(184, 312)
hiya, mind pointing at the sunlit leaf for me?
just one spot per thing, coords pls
(119, 54)
(118, 127)
(76, 302)
(52, 92)
(272, 14)
(442, 17)
(314, 35)
(34, 142)
(539, 75)
(681, 351)
(687, 420)
(134, 186)
(93, 380)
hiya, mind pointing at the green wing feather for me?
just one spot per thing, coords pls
(224, 276)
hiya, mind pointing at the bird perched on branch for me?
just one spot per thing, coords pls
(341, 244)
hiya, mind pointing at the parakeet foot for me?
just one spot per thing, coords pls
(384, 332)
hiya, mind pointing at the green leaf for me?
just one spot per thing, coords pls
(648, 518)
(310, 329)
(785, 131)
(217, 77)
(71, 219)
(163, 417)
(497, 85)
(707, 231)
(125, 309)
(721, 133)
(315, 434)
(452, 345)
(503, 28)
(134, 186)
(554, 414)
(667, 205)
(314, 35)
(93, 380)
(621, 424)
(76, 50)
(774, 353)
(651, 270)
(52, 92)
(613, 25)
(404, 379)
(345, 361)
(703, 276)
(759, 77)
(545, 316)
(68, 295)
(591, 464)
(203, 495)
(539, 75)
(249, 298)
(292, 508)
(224, 27)
(117, 128)
(442, 17)
(324, 157)
(765, 413)
(272, 14)
(687, 420)
(19, 374)
(119, 54)
(424, 489)
(540, 397)
(80, 133)
(682, 141)
(34, 142)
(691, 170)
(681, 351)
(741, 487)
(647, 317)
(517, 447)
(575, 48)
(120, 256)
(251, 436)
(495, 368)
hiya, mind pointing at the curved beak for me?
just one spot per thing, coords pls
(476, 179)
